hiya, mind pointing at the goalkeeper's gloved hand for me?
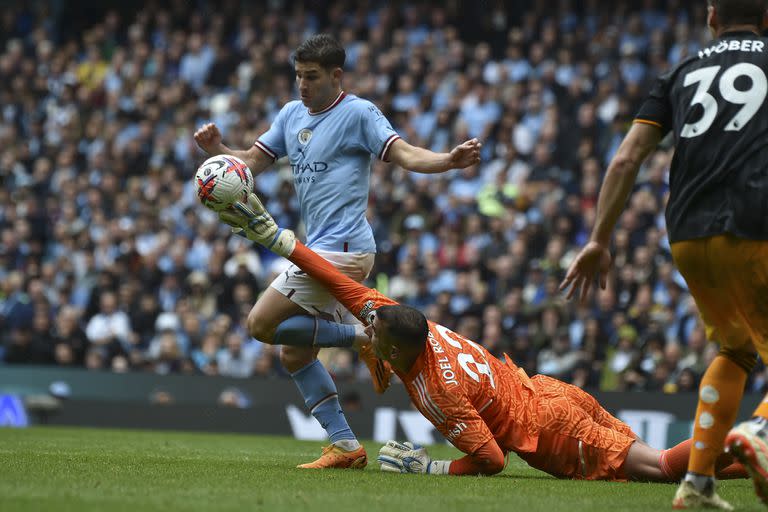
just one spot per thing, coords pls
(409, 458)
(254, 222)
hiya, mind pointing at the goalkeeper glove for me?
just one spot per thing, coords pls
(254, 222)
(409, 458)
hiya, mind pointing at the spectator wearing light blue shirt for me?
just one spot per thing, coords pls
(479, 111)
(196, 62)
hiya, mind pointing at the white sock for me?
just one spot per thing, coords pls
(347, 445)
(703, 483)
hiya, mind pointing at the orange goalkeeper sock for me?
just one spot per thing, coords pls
(674, 463)
(720, 393)
(731, 471)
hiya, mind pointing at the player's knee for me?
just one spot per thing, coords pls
(494, 468)
(491, 466)
(259, 328)
(745, 359)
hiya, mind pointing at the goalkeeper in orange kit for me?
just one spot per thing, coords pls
(485, 407)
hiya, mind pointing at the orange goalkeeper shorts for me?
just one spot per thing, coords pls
(577, 437)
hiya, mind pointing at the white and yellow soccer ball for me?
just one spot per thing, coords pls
(222, 180)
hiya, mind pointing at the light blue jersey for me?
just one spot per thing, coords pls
(331, 153)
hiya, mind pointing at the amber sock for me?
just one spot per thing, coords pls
(720, 393)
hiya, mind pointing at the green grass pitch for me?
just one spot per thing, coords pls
(112, 470)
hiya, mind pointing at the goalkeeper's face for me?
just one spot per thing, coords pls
(382, 342)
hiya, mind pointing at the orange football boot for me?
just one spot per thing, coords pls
(335, 457)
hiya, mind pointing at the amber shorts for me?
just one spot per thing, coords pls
(728, 278)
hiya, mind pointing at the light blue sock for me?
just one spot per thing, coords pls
(310, 331)
(322, 399)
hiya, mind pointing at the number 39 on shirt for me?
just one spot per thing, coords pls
(750, 98)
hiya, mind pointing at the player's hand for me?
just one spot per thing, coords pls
(465, 154)
(208, 138)
(362, 339)
(593, 259)
(254, 222)
(403, 458)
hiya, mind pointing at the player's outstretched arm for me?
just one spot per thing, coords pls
(406, 457)
(357, 298)
(484, 456)
(488, 460)
(620, 177)
(208, 138)
(423, 160)
(254, 222)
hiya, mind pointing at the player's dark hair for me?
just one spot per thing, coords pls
(740, 12)
(404, 323)
(322, 49)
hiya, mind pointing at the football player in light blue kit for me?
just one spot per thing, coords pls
(330, 138)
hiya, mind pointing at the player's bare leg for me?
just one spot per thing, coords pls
(644, 463)
(270, 310)
(315, 384)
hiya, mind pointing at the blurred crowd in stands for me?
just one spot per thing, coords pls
(108, 262)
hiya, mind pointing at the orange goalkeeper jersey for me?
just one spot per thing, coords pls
(470, 396)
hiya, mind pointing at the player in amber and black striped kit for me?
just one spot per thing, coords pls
(714, 103)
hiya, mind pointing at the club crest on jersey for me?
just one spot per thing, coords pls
(304, 135)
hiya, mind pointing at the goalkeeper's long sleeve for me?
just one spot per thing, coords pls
(358, 299)
(488, 460)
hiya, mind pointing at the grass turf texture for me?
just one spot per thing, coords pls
(83, 469)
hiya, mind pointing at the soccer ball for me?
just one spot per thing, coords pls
(222, 180)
